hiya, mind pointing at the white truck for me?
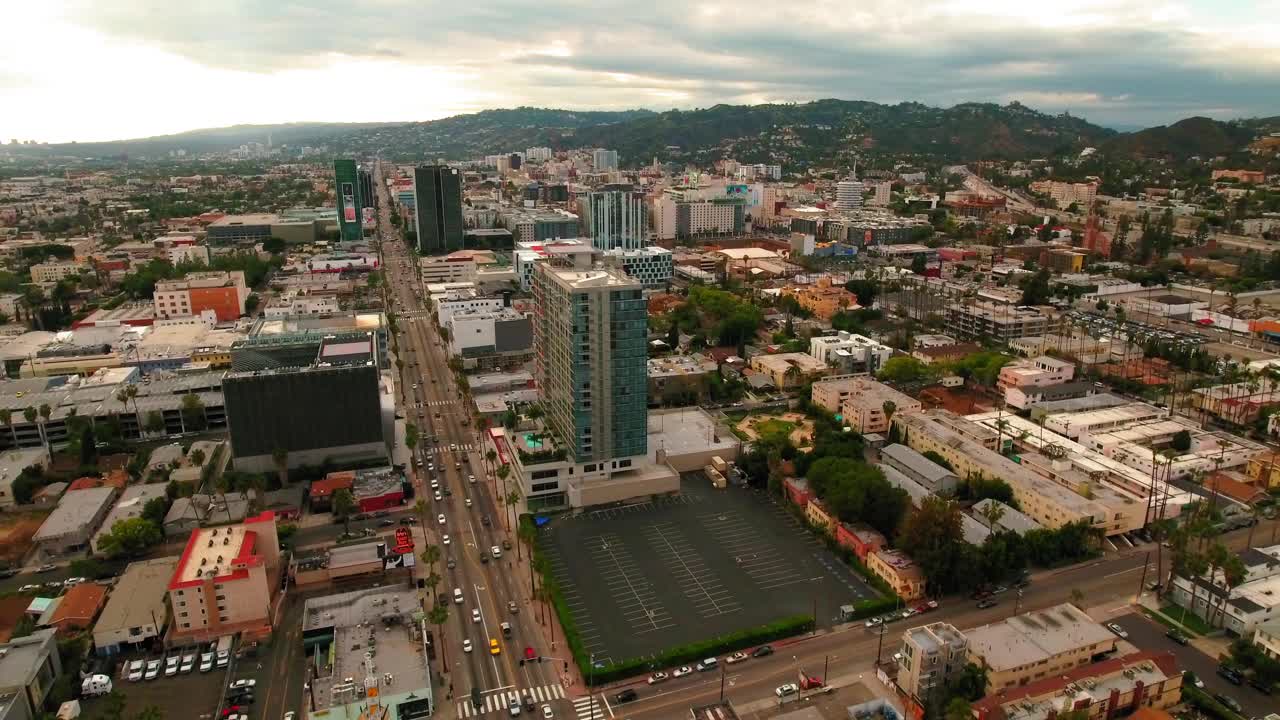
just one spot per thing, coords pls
(95, 685)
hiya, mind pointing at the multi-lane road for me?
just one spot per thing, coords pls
(450, 452)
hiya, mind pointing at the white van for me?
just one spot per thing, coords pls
(95, 685)
(457, 596)
(708, 664)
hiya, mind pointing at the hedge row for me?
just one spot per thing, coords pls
(785, 627)
(1206, 704)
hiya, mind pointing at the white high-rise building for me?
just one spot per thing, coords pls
(604, 160)
(849, 195)
(883, 193)
(538, 154)
(615, 219)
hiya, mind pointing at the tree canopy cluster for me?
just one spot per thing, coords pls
(857, 492)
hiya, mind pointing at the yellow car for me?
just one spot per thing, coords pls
(493, 647)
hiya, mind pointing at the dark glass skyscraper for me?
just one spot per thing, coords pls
(350, 213)
(437, 197)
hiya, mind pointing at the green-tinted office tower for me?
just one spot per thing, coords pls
(347, 186)
(437, 197)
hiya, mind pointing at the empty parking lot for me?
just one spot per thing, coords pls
(651, 575)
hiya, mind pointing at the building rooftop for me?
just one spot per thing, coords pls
(74, 511)
(590, 279)
(1031, 637)
(130, 505)
(20, 659)
(138, 597)
(933, 473)
(219, 552)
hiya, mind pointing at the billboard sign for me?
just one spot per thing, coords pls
(348, 202)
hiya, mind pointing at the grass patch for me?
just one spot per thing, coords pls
(774, 427)
(1191, 621)
(1166, 621)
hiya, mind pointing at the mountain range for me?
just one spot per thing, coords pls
(793, 134)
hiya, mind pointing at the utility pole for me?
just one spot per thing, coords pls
(722, 682)
(1146, 563)
(826, 664)
(1017, 603)
(880, 643)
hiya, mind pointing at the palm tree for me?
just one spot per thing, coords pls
(491, 457)
(431, 556)
(280, 457)
(343, 506)
(6, 417)
(526, 533)
(438, 615)
(992, 512)
(889, 407)
(511, 498)
(197, 457)
(45, 413)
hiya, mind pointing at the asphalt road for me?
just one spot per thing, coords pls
(1148, 634)
(438, 408)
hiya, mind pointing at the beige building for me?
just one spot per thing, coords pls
(1036, 645)
(226, 580)
(788, 370)
(1046, 501)
(1117, 687)
(822, 298)
(861, 401)
(136, 612)
(48, 273)
(901, 572)
(930, 655)
(1267, 638)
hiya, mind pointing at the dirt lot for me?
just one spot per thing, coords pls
(16, 530)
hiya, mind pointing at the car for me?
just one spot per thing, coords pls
(471, 479)
(440, 518)
(484, 556)
(435, 484)
(408, 521)
(485, 521)
(513, 707)
(786, 690)
(291, 715)
(468, 502)
(438, 497)
(8, 572)
(153, 669)
(1230, 674)
(444, 539)
(136, 670)
(206, 662)
(658, 677)
(188, 664)
(171, 665)
(47, 567)
(1190, 677)
(681, 671)
(451, 563)
(987, 603)
(736, 658)
(30, 588)
(546, 712)
(1260, 685)
(386, 522)
(1177, 637)
(999, 589)
(1228, 702)
(1113, 627)
(73, 581)
(626, 696)
(233, 710)
(494, 648)
(466, 645)
(512, 607)
(457, 596)
(762, 651)
(245, 683)
(496, 551)
(475, 615)
(224, 657)
(908, 613)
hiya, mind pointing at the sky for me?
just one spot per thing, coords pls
(93, 70)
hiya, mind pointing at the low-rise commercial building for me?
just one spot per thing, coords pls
(29, 667)
(130, 505)
(788, 370)
(935, 478)
(850, 353)
(73, 522)
(135, 613)
(222, 293)
(1036, 645)
(899, 571)
(226, 580)
(490, 338)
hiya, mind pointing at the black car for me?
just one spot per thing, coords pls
(1230, 674)
(1177, 637)
(762, 651)
(625, 696)
(1260, 685)
(1229, 702)
(987, 603)
(8, 572)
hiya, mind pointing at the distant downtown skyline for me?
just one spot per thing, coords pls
(149, 67)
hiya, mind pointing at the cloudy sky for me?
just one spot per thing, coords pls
(110, 69)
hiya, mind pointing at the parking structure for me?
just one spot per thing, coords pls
(643, 577)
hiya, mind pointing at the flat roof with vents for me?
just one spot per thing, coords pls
(218, 552)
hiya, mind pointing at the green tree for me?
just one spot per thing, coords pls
(130, 538)
(903, 369)
(931, 534)
(1181, 441)
(251, 304)
(959, 709)
(155, 510)
(280, 457)
(274, 245)
(344, 506)
(155, 422)
(193, 416)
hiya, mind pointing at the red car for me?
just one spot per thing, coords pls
(234, 709)
(529, 654)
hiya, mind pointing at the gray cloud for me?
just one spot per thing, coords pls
(1125, 70)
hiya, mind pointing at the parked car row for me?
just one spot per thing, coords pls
(897, 615)
(180, 661)
(704, 665)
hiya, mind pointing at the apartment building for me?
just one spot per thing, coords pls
(222, 293)
(1042, 499)
(1036, 645)
(1067, 193)
(822, 298)
(788, 370)
(49, 273)
(29, 667)
(1116, 687)
(899, 571)
(861, 401)
(1036, 372)
(932, 476)
(994, 322)
(930, 655)
(1237, 403)
(226, 579)
(850, 353)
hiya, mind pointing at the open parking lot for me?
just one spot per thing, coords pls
(647, 576)
(193, 694)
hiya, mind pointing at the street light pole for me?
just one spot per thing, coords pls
(880, 644)
(591, 693)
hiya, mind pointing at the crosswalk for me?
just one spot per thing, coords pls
(591, 708)
(445, 449)
(500, 700)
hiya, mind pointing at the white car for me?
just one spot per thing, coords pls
(153, 669)
(291, 715)
(224, 657)
(496, 552)
(188, 664)
(246, 683)
(682, 671)
(658, 677)
(444, 539)
(171, 665)
(73, 581)
(475, 615)
(736, 658)
(440, 518)
(786, 690)
(206, 662)
(1117, 630)
(466, 645)
(439, 497)
(435, 484)
(468, 502)
(471, 479)
(136, 670)
(546, 712)
(30, 588)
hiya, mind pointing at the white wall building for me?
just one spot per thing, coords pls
(849, 195)
(850, 352)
